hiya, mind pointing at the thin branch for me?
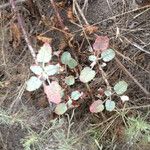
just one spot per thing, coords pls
(81, 13)
(3, 6)
(115, 16)
(136, 45)
(20, 22)
(57, 14)
(131, 76)
(104, 76)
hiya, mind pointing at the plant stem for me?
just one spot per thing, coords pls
(104, 76)
(88, 87)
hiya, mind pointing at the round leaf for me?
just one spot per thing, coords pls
(45, 53)
(110, 105)
(60, 109)
(75, 95)
(108, 55)
(72, 63)
(87, 74)
(36, 69)
(124, 98)
(101, 44)
(108, 93)
(97, 106)
(120, 87)
(92, 58)
(53, 92)
(65, 57)
(70, 80)
(33, 83)
(103, 64)
(51, 69)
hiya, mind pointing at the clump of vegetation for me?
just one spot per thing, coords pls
(83, 71)
(138, 131)
(44, 69)
(7, 118)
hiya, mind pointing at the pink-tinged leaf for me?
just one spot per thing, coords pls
(97, 106)
(101, 43)
(53, 92)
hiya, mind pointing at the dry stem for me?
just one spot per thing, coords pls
(20, 22)
(57, 14)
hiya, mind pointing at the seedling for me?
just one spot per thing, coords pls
(101, 51)
(110, 105)
(87, 74)
(44, 69)
(97, 106)
(119, 88)
(70, 80)
(61, 108)
(68, 60)
(75, 95)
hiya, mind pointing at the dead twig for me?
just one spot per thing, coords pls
(20, 22)
(4, 6)
(137, 46)
(57, 14)
(131, 76)
(80, 11)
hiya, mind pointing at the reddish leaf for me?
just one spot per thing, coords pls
(101, 43)
(97, 106)
(53, 92)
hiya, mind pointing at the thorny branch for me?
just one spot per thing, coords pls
(20, 22)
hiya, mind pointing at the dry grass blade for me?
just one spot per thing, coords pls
(3, 6)
(137, 46)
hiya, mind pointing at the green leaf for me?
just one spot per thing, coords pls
(72, 63)
(65, 58)
(60, 109)
(92, 58)
(97, 106)
(33, 83)
(69, 102)
(36, 69)
(45, 53)
(108, 55)
(108, 93)
(70, 80)
(75, 95)
(87, 74)
(120, 87)
(110, 105)
(52, 69)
